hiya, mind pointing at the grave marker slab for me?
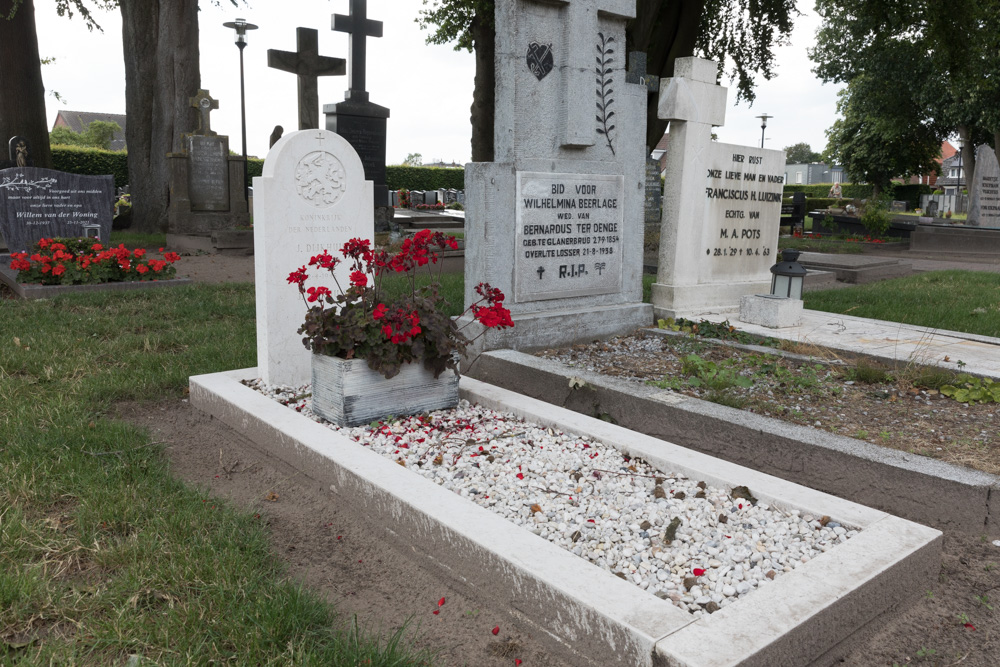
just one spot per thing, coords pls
(43, 203)
(206, 183)
(722, 202)
(556, 222)
(984, 209)
(312, 196)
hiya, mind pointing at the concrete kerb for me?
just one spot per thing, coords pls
(931, 492)
(801, 618)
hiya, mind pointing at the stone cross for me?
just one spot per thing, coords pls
(359, 27)
(204, 103)
(309, 66)
(578, 82)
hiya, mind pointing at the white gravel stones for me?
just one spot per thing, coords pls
(588, 498)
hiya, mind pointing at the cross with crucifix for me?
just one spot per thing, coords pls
(309, 66)
(359, 27)
(204, 103)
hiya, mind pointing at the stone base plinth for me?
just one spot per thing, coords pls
(766, 310)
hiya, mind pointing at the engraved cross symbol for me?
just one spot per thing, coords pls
(306, 62)
(540, 271)
(359, 27)
(204, 103)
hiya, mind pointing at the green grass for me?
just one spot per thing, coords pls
(137, 240)
(965, 301)
(819, 245)
(103, 554)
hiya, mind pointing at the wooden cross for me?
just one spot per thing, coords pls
(309, 66)
(204, 103)
(578, 82)
(359, 27)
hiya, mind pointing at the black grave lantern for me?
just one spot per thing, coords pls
(787, 275)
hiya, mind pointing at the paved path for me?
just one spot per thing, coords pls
(889, 340)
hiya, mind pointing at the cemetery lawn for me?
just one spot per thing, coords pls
(967, 301)
(105, 555)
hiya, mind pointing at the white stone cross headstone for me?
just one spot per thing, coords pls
(984, 206)
(312, 196)
(721, 202)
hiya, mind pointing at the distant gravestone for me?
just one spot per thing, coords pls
(556, 222)
(897, 206)
(416, 197)
(393, 197)
(312, 196)
(932, 208)
(722, 202)
(358, 120)
(308, 65)
(206, 183)
(654, 193)
(984, 209)
(42, 203)
(431, 197)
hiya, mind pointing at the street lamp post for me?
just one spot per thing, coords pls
(958, 186)
(241, 27)
(763, 126)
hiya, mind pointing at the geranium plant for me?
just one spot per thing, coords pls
(362, 323)
(85, 261)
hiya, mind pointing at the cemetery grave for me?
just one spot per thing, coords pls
(564, 206)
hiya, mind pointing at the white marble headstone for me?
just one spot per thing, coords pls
(312, 196)
(721, 202)
(984, 207)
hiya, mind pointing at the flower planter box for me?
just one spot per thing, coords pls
(348, 393)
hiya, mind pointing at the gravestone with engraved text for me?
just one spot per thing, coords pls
(556, 222)
(206, 183)
(43, 203)
(312, 196)
(984, 207)
(721, 202)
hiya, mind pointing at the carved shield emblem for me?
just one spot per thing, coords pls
(539, 59)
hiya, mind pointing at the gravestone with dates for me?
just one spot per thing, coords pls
(312, 196)
(43, 203)
(984, 207)
(556, 221)
(206, 183)
(357, 119)
(721, 202)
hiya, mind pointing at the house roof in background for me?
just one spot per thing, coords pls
(79, 120)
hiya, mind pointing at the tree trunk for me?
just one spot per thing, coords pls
(666, 32)
(22, 93)
(160, 39)
(483, 96)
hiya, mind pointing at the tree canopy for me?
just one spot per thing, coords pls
(801, 153)
(938, 61)
(98, 134)
(742, 32)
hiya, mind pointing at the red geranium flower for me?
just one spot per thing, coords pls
(359, 279)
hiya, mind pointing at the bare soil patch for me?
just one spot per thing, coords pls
(380, 583)
(898, 408)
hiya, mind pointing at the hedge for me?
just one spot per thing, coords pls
(424, 178)
(899, 192)
(91, 162)
(255, 166)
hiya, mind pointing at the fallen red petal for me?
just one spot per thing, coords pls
(517, 661)
(970, 626)
(698, 571)
(440, 602)
(436, 612)
(496, 630)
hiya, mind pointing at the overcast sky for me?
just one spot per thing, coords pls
(428, 89)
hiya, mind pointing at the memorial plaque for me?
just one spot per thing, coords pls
(984, 209)
(654, 192)
(42, 203)
(208, 183)
(569, 235)
(743, 191)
